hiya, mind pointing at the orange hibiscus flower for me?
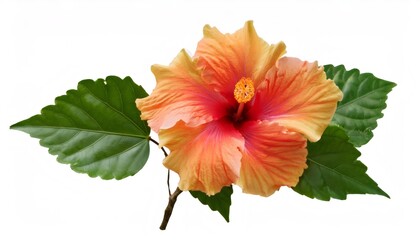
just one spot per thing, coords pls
(237, 113)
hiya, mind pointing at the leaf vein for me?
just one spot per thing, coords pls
(111, 156)
(358, 98)
(337, 172)
(88, 130)
(82, 110)
(114, 109)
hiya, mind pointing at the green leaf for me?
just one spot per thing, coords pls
(362, 104)
(219, 202)
(333, 169)
(96, 128)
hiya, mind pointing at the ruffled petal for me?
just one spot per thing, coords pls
(180, 94)
(226, 58)
(206, 157)
(297, 95)
(272, 157)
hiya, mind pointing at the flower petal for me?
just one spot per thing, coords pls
(297, 95)
(226, 58)
(206, 157)
(180, 94)
(272, 157)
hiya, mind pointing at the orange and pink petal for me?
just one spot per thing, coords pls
(226, 58)
(272, 157)
(206, 157)
(297, 95)
(181, 94)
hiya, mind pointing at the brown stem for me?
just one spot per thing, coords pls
(172, 197)
(155, 142)
(169, 208)
(166, 154)
(167, 182)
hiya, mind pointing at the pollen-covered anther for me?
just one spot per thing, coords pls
(244, 90)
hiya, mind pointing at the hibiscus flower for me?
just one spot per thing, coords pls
(238, 113)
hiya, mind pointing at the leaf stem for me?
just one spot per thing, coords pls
(157, 143)
(169, 208)
(172, 197)
(169, 172)
(167, 182)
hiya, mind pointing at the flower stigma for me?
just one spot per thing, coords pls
(244, 91)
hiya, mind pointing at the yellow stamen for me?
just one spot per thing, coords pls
(244, 90)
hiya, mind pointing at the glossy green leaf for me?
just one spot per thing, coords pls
(333, 169)
(362, 104)
(96, 128)
(219, 202)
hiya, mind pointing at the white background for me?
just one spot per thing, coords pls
(46, 47)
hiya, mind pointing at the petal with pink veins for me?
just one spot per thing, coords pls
(181, 94)
(272, 157)
(297, 95)
(226, 58)
(206, 157)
